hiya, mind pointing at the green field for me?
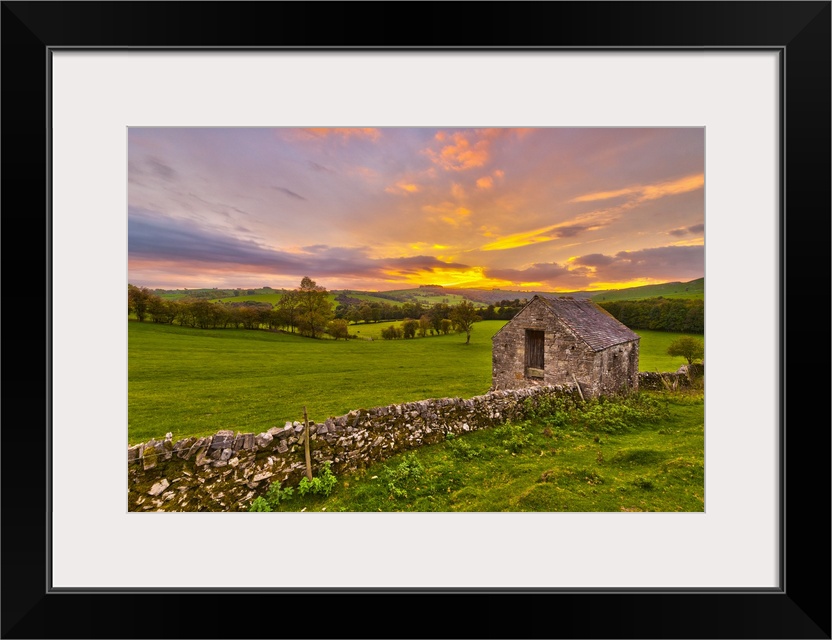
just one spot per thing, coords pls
(271, 298)
(653, 462)
(693, 290)
(653, 350)
(194, 382)
(431, 298)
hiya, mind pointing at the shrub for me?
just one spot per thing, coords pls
(319, 485)
(689, 348)
(260, 505)
(275, 495)
(404, 473)
(272, 498)
(391, 333)
(461, 449)
(513, 437)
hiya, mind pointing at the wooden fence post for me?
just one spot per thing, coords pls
(306, 445)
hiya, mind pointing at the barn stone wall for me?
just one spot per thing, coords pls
(610, 371)
(616, 370)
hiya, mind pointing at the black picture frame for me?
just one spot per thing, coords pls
(799, 608)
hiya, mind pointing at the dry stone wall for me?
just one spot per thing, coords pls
(226, 471)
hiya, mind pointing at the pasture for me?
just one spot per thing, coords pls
(194, 382)
(654, 461)
(653, 350)
(693, 290)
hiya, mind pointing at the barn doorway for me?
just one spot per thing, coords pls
(534, 353)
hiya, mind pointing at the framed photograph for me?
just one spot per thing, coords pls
(80, 77)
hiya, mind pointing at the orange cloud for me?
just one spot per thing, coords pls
(449, 213)
(521, 239)
(649, 192)
(403, 187)
(462, 153)
(499, 173)
(690, 183)
(447, 277)
(545, 234)
(485, 182)
(604, 195)
(692, 242)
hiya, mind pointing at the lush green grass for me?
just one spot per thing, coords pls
(369, 297)
(271, 298)
(653, 350)
(694, 290)
(649, 458)
(373, 329)
(195, 382)
(430, 298)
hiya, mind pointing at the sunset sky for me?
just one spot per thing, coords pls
(548, 209)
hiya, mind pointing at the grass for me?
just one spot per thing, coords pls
(373, 329)
(194, 382)
(431, 298)
(693, 290)
(369, 297)
(653, 350)
(653, 461)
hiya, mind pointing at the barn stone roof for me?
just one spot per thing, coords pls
(595, 326)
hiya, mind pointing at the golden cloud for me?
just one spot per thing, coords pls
(403, 187)
(486, 182)
(649, 192)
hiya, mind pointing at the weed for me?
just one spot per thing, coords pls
(319, 485)
(260, 505)
(461, 449)
(408, 470)
(513, 437)
(275, 495)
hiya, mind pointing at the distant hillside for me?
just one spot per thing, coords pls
(431, 294)
(693, 290)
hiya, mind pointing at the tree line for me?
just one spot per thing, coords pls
(305, 310)
(440, 319)
(660, 314)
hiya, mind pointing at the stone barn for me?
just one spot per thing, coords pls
(565, 341)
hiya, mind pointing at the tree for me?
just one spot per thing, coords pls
(424, 325)
(409, 327)
(138, 299)
(314, 308)
(689, 348)
(288, 309)
(338, 328)
(463, 316)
